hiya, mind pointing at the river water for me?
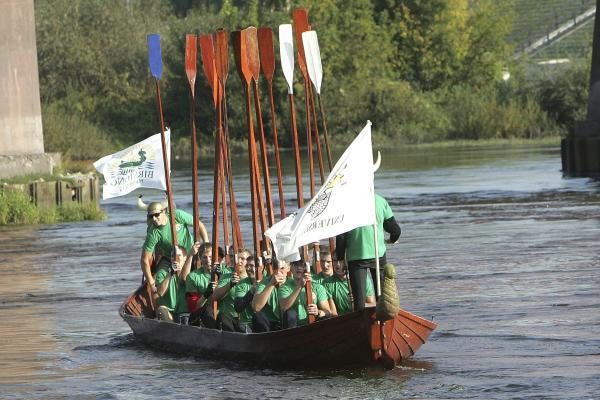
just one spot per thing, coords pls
(497, 248)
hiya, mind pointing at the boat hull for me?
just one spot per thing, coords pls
(355, 339)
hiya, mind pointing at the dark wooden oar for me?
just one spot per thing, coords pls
(208, 65)
(300, 19)
(253, 66)
(241, 62)
(222, 67)
(190, 71)
(254, 63)
(267, 64)
(155, 61)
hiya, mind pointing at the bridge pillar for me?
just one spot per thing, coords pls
(21, 136)
(581, 148)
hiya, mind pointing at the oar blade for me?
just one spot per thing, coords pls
(154, 55)
(252, 52)
(266, 52)
(300, 19)
(190, 60)
(313, 58)
(222, 57)
(207, 51)
(286, 54)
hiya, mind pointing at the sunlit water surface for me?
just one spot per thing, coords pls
(497, 248)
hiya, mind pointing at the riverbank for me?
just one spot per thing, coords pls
(49, 199)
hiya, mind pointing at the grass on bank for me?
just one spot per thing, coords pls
(16, 208)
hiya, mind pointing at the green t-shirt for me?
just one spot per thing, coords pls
(271, 308)
(197, 282)
(226, 306)
(241, 289)
(359, 241)
(318, 278)
(174, 297)
(159, 237)
(338, 287)
(319, 294)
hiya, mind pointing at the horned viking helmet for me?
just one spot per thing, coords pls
(152, 208)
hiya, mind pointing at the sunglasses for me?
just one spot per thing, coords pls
(150, 216)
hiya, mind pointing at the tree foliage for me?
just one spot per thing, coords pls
(391, 61)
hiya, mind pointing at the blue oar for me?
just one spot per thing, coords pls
(155, 62)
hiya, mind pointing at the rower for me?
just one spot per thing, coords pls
(170, 283)
(292, 298)
(265, 302)
(244, 292)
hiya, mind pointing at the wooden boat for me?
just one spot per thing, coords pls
(358, 338)
(355, 339)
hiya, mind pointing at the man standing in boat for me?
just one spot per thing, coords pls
(357, 247)
(159, 240)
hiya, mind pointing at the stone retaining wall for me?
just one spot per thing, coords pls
(74, 189)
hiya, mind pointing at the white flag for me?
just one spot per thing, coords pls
(344, 202)
(140, 165)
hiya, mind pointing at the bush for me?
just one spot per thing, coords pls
(17, 209)
(477, 114)
(77, 139)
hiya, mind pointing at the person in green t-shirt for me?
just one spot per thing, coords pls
(326, 266)
(244, 292)
(199, 291)
(265, 303)
(337, 286)
(357, 247)
(170, 283)
(293, 300)
(159, 239)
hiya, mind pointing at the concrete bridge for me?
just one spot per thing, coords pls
(581, 148)
(21, 136)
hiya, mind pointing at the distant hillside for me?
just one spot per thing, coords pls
(537, 18)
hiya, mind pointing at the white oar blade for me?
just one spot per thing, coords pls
(286, 52)
(313, 58)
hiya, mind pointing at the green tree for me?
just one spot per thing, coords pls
(93, 60)
(443, 43)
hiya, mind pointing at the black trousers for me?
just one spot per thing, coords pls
(204, 317)
(260, 323)
(358, 270)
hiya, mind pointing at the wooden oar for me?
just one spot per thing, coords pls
(300, 19)
(222, 67)
(312, 53)
(315, 72)
(155, 61)
(254, 63)
(208, 65)
(286, 51)
(190, 71)
(241, 62)
(267, 64)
